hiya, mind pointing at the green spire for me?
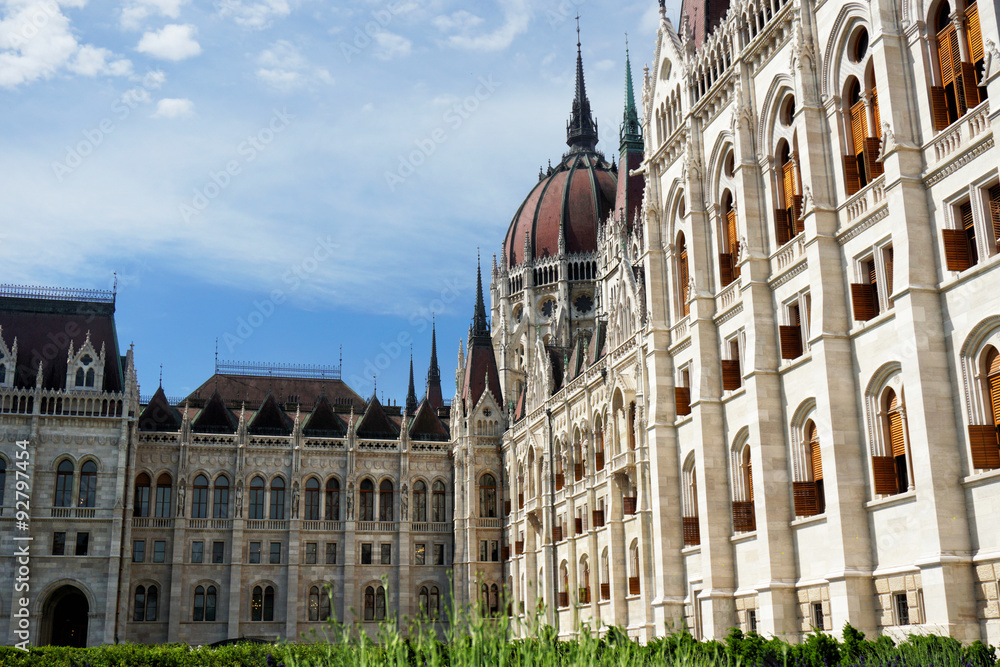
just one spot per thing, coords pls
(631, 130)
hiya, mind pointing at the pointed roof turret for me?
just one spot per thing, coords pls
(481, 365)
(411, 393)
(631, 130)
(480, 326)
(581, 130)
(434, 395)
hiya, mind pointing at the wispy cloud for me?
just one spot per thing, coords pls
(174, 108)
(173, 42)
(283, 67)
(135, 12)
(517, 17)
(389, 45)
(461, 21)
(37, 42)
(255, 15)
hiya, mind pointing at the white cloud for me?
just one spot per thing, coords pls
(135, 12)
(460, 21)
(174, 108)
(604, 65)
(36, 41)
(517, 16)
(390, 45)
(256, 15)
(283, 67)
(173, 42)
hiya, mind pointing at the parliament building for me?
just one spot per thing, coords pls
(743, 373)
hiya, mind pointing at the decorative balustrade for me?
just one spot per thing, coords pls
(788, 254)
(379, 445)
(61, 403)
(961, 132)
(728, 296)
(487, 522)
(325, 443)
(323, 525)
(267, 524)
(431, 527)
(152, 522)
(679, 331)
(376, 526)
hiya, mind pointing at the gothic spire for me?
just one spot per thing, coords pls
(411, 394)
(581, 130)
(434, 396)
(631, 130)
(480, 327)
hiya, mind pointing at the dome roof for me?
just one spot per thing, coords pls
(573, 198)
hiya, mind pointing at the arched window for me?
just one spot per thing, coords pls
(424, 601)
(985, 439)
(312, 499)
(64, 484)
(891, 472)
(277, 499)
(164, 496)
(3, 373)
(434, 603)
(484, 599)
(210, 604)
(79, 377)
(958, 90)
(744, 518)
(788, 221)
(3, 479)
(257, 498)
(631, 425)
(313, 608)
(220, 504)
(325, 596)
(152, 598)
(861, 165)
(633, 565)
(88, 485)
(684, 308)
(437, 502)
(729, 269)
(598, 444)
(419, 501)
(200, 612)
(366, 510)
(369, 603)
(199, 498)
(256, 604)
(494, 600)
(563, 584)
(385, 501)
(319, 603)
(605, 576)
(689, 501)
(379, 603)
(487, 496)
(141, 500)
(139, 604)
(269, 604)
(584, 581)
(90, 377)
(332, 511)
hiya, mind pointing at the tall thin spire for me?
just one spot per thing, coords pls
(480, 327)
(411, 394)
(631, 130)
(581, 130)
(434, 396)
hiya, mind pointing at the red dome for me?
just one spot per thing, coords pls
(574, 198)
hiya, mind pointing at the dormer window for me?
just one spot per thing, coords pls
(85, 367)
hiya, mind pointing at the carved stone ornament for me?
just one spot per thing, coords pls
(992, 65)
(888, 141)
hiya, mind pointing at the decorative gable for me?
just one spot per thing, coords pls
(324, 422)
(85, 367)
(159, 415)
(8, 362)
(426, 425)
(270, 419)
(215, 417)
(376, 424)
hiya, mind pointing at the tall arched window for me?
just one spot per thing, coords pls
(424, 600)
(257, 604)
(788, 221)
(199, 498)
(631, 425)
(985, 439)
(332, 511)
(385, 501)
(312, 500)
(861, 165)
(744, 518)
(434, 604)
(689, 501)
(605, 575)
(598, 444)
(379, 603)
(584, 580)
(958, 77)
(141, 500)
(164, 496)
(683, 276)
(269, 604)
(419, 501)
(152, 599)
(88, 485)
(633, 566)
(729, 269)
(370, 603)
(210, 604)
(487, 496)
(198, 613)
(220, 504)
(319, 604)
(64, 484)
(807, 489)
(139, 604)
(313, 608)
(437, 501)
(277, 499)
(890, 470)
(257, 498)
(366, 510)
(494, 599)
(3, 479)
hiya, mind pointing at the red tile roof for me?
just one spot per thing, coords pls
(253, 389)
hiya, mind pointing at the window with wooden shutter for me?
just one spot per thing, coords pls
(727, 270)
(887, 254)
(682, 275)
(781, 225)
(994, 194)
(799, 223)
(876, 116)
(743, 516)
(873, 167)
(682, 397)
(956, 249)
(791, 341)
(968, 81)
(897, 443)
(804, 496)
(862, 301)
(974, 34)
(950, 67)
(692, 532)
(852, 179)
(816, 461)
(884, 472)
(984, 446)
(993, 379)
(939, 108)
(732, 378)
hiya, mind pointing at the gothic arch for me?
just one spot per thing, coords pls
(849, 14)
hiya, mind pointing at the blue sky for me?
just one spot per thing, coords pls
(289, 176)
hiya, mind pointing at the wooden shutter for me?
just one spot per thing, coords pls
(750, 480)
(682, 276)
(995, 212)
(896, 439)
(888, 271)
(874, 167)
(733, 241)
(875, 113)
(956, 249)
(884, 471)
(852, 179)
(791, 341)
(781, 226)
(743, 517)
(974, 33)
(800, 224)
(727, 273)
(816, 457)
(985, 448)
(788, 183)
(732, 378)
(939, 108)
(863, 301)
(858, 129)
(692, 533)
(682, 397)
(994, 382)
(969, 83)
(806, 498)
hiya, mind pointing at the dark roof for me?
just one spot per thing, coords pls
(44, 329)
(376, 423)
(159, 415)
(557, 357)
(703, 17)
(253, 389)
(597, 346)
(519, 409)
(480, 372)
(426, 425)
(324, 422)
(215, 417)
(271, 419)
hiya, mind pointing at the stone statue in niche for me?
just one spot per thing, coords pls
(239, 499)
(404, 504)
(350, 501)
(180, 498)
(295, 500)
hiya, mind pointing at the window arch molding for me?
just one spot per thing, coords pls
(888, 376)
(741, 491)
(805, 412)
(851, 16)
(985, 334)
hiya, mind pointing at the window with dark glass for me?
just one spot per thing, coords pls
(141, 500)
(419, 501)
(58, 543)
(366, 510)
(487, 496)
(366, 554)
(88, 485)
(64, 484)
(386, 550)
(312, 500)
(218, 552)
(439, 554)
(332, 511)
(198, 552)
(220, 503)
(257, 498)
(269, 604)
(159, 551)
(199, 498)
(255, 552)
(275, 553)
(278, 498)
(385, 501)
(138, 551)
(82, 543)
(420, 554)
(437, 502)
(163, 496)
(331, 553)
(311, 553)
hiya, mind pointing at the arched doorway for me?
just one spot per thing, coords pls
(66, 617)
